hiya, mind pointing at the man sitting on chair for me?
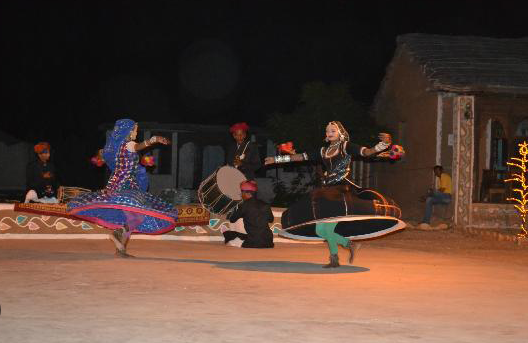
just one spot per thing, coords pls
(440, 195)
(256, 215)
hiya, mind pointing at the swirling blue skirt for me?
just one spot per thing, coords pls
(141, 211)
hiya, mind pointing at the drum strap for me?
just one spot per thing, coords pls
(245, 147)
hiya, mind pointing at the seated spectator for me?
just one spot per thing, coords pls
(440, 194)
(256, 216)
(41, 178)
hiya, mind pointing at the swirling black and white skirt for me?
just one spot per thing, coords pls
(360, 214)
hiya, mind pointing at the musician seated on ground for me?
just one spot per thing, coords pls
(256, 215)
(41, 177)
(243, 155)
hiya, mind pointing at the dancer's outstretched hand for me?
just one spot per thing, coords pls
(161, 140)
(269, 160)
(385, 138)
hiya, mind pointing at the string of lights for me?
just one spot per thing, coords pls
(521, 191)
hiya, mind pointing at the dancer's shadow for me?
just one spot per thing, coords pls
(27, 255)
(257, 266)
(280, 267)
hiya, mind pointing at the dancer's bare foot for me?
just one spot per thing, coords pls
(125, 236)
(122, 254)
(116, 237)
(120, 237)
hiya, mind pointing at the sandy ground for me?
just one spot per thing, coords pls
(412, 286)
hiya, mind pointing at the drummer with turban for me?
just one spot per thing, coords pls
(256, 215)
(243, 154)
(41, 177)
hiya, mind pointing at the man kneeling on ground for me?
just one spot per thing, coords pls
(256, 216)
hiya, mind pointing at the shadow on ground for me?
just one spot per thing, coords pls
(280, 267)
(38, 255)
(256, 266)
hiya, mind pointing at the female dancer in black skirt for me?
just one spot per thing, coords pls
(340, 208)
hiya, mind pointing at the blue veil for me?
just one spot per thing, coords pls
(122, 129)
(118, 136)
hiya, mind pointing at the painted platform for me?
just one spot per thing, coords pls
(195, 223)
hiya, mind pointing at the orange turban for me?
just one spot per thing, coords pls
(42, 148)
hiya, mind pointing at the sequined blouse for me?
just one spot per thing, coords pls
(338, 166)
(124, 176)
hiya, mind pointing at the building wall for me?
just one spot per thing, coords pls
(446, 155)
(408, 109)
(423, 122)
(509, 111)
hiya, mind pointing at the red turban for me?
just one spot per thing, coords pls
(42, 147)
(248, 186)
(239, 126)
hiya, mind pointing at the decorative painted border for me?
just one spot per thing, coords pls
(463, 127)
(34, 223)
(11, 220)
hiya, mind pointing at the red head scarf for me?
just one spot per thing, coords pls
(42, 147)
(248, 186)
(239, 126)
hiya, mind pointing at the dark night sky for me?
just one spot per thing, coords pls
(67, 66)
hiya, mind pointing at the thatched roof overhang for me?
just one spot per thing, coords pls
(470, 64)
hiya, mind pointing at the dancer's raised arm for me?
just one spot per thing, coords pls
(151, 141)
(284, 159)
(384, 144)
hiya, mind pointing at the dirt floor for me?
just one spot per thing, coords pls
(414, 286)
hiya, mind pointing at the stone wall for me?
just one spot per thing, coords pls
(500, 216)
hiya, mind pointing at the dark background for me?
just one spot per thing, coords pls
(68, 66)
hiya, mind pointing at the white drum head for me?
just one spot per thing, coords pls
(228, 180)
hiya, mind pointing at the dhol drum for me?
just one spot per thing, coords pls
(220, 192)
(65, 194)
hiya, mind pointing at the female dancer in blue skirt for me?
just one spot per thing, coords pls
(124, 205)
